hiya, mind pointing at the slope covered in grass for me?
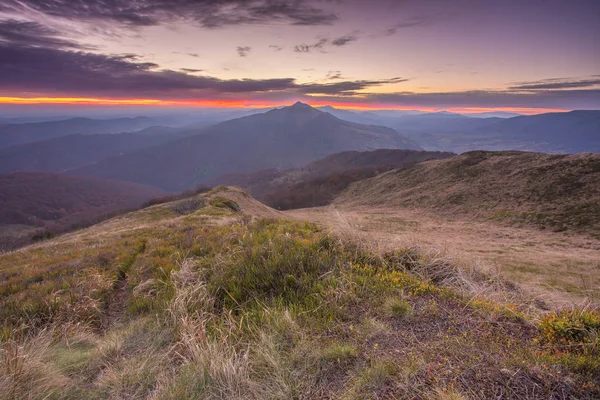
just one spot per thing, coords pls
(558, 192)
(219, 302)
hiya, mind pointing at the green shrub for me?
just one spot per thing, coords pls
(221, 202)
(339, 352)
(398, 307)
(574, 331)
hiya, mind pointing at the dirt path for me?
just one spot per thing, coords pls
(116, 304)
(563, 268)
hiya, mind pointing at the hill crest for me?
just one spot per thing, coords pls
(560, 192)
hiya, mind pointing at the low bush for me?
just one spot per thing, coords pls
(221, 202)
(572, 330)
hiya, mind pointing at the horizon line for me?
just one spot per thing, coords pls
(253, 104)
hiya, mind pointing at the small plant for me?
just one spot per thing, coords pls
(221, 202)
(373, 379)
(574, 331)
(43, 235)
(339, 352)
(187, 206)
(398, 307)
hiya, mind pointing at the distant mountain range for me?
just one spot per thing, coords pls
(16, 134)
(282, 138)
(71, 151)
(565, 132)
(569, 132)
(196, 149)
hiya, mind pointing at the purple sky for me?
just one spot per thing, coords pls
(429, 54)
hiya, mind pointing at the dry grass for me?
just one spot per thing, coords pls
(553, 270)
(554, 192)
(216, 304)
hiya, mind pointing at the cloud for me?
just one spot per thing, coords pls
(345, 87)
(243, 50)
(207, 13)
(334, 75)
(410, 23)
(305, 48)
(344, 40)
(557, 83)
(341, 41)
(275, 47)
(559, 99)
(48, 71)
(44, 69)
(27, 33)
(190, 70)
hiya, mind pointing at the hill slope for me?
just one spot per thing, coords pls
(554, 191)
(282, 138)
(16, 134)
(57, 202)
(319, 182)
(221, 303)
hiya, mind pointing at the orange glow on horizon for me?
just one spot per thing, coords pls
(205, 103)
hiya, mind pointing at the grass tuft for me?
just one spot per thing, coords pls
(398, 307)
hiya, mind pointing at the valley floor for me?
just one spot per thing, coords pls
(558, 268)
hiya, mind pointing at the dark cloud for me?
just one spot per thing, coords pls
(26, 33)
(559, 99)
(302, 48)
(344, 40)
(243, 50)
(334, 75)
(207, 13)
(46, 70)
(275, 47)
(306, 48)
(191, 70)
(416, 21)
(344, 87)
(557, 83)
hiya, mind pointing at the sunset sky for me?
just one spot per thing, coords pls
(520, 55)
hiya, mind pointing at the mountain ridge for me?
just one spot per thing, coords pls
(280, 138)
(18, 134)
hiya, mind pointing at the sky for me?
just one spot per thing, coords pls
(525, 56)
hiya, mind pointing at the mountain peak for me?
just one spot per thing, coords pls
(300, 105)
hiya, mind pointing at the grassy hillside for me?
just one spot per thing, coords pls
(319, 182)
(557, 192)
(219, 298)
